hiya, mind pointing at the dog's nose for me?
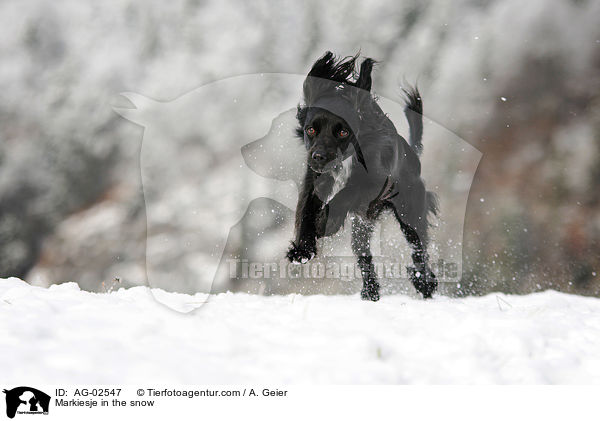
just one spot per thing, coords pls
(318, 157)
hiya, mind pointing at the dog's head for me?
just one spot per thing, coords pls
(327, 137)
(331, 119)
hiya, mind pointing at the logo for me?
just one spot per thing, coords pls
(26, 400)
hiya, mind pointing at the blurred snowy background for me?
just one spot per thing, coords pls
(520, 81)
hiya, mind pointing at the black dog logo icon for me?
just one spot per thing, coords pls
(33, 401)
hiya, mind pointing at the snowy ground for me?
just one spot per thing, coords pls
(62, 335)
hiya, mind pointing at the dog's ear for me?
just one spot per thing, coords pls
(326, 73)
(322, 66)
(359, 155)
(334, 69)
(301, 117)
(361, 158)
(322, 69)
(364, 79)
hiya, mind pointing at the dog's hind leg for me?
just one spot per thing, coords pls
(361, 247)
(414, 228)
(421, 276)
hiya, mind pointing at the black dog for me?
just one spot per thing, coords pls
(358, 164)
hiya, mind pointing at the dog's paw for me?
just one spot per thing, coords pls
(425, 283)
(301, 253)
(370, 291)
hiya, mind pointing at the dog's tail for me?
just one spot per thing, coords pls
(413, 110)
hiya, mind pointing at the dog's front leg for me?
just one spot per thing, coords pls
(361, 247)
(304, 247)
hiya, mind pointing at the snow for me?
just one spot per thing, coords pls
(63, 335)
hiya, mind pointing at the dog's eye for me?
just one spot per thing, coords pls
(343, 133)
(310, 131)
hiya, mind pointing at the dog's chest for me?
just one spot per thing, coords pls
(340, 178)
(328, 185)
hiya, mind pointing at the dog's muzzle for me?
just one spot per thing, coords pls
(322, 164)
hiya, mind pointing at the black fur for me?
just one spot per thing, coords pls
(345, 131)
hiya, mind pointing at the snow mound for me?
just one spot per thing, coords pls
(62, 335)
